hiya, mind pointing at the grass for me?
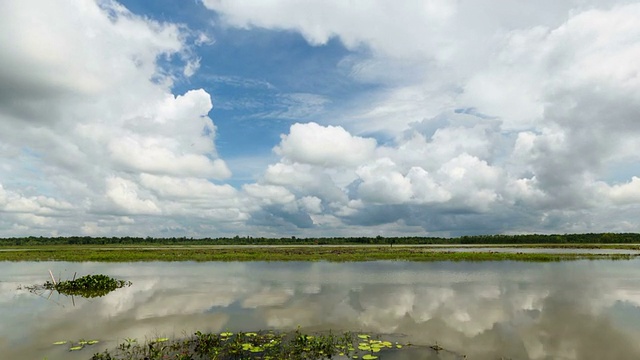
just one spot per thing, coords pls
(78, 253)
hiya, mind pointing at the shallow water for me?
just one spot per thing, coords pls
(486, 310)
(537, 250)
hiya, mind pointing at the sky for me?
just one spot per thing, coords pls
(279, 118)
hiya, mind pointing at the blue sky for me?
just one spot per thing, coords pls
(257, 79)
(319, 118)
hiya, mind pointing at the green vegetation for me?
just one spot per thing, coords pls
(254, 345)
(602, 238)
(276, 253)
(76, 345)
(88, 286)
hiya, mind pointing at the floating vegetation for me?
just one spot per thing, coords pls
(254, 345)
(88, 286)
(78, 345)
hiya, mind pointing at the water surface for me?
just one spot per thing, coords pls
(485, 310)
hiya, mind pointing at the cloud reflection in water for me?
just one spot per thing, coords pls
(516, 310)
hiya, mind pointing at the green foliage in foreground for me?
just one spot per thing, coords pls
(300, 253)
(260, 345)
(590, 238)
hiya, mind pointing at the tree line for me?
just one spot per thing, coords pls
(588, 238)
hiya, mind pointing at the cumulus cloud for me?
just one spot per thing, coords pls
(518, 120)
(324, 145)
(508, 123)
(124, 194)
(86, 104)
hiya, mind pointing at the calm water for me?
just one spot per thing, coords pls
(566, 310)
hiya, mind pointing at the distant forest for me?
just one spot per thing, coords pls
(602, 238)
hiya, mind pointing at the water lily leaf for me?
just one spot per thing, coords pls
(60, 342)
(369, 357)
(75, 348)
(92, 342)
(363, 336)
(226, 334)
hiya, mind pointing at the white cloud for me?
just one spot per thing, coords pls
(518, 119)
(504, 114)
(381, 183)
(3, 196)
(269, 194)
(152, 155)
(425, 188)
(311, 204)
(185, 188)
(85, 108)
(16, 203)
(330, 146)
(628, 193)
(364, 22)
(125, 194)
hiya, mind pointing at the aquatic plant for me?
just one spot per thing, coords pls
(265, 345)
(77, 345)
(88, 286)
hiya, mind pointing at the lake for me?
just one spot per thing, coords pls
(485, 310)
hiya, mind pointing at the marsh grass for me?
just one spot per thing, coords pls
(279, 253)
